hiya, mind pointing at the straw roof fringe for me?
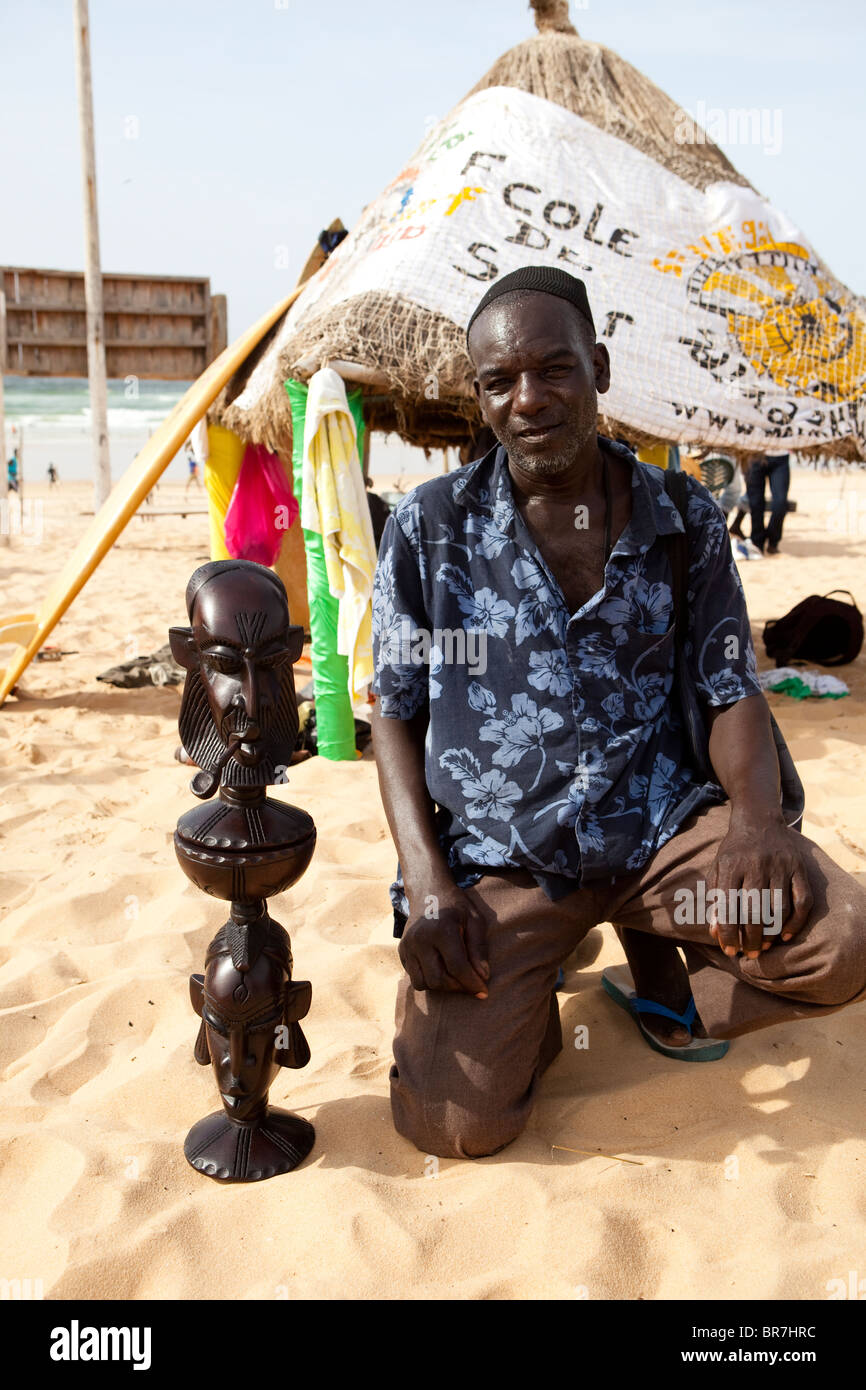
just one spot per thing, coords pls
(391, 336)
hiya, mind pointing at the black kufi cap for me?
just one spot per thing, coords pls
(541, 279)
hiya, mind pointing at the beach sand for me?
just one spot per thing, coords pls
(747, 1177)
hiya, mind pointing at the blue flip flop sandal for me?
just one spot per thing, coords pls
(616, 981)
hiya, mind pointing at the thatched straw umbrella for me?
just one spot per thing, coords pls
(387, 339)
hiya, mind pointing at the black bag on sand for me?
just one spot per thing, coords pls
(824, 630)
(793, 798)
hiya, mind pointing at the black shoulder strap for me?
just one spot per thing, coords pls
(677, 489)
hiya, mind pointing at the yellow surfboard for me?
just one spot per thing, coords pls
(133, 487)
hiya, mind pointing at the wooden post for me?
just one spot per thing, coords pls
(218, 327)
(92, 272)
(5, 520)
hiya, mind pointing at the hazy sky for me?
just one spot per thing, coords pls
(227, 130)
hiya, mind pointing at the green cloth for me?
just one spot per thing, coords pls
(335, 723)
(799, 690)
(796, 689)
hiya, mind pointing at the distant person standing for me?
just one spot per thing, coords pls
(12, 473)
(52, 475)
(192, 462)
(379, 511)
(735, 499)
(744, 548)
(733, 494)
(775, 468)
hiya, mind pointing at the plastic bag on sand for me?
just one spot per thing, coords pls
(261, 510)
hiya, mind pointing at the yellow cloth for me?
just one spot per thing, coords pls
(223, 464)
(691, 465)
(654, 453)
(334, 504)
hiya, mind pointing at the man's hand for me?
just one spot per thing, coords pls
(446, 946)
(755, 855)
(759, 851)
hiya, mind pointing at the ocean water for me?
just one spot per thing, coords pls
(49, 421)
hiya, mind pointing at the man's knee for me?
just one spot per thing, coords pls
(842, 980)
(449, 1130)
(825, 964)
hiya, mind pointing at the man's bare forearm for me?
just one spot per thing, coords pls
(399, 745)
(745, 761)
(445, 949)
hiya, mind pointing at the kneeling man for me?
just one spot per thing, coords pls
(533, 759)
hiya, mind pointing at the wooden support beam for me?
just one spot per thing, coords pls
(218, 335)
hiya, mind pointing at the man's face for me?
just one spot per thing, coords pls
(243, 650)
(538, 373)
(242, 1040)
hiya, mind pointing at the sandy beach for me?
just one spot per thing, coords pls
(745, 1177)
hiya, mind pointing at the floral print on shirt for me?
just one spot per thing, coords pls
(565, 754)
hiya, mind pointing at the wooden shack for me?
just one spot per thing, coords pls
(162, 327)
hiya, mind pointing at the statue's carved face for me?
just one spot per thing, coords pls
(238, 653)
(243, 652)
(243, 1014)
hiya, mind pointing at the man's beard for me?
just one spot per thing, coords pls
(549, 464)
(205, 743)
(543, 466)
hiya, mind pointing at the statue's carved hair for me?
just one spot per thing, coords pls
(245, 942)
(205, 573)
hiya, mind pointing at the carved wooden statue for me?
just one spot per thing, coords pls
(238, 723)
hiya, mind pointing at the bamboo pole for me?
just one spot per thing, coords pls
(92, 273)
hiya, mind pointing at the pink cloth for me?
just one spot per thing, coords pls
(262, 508)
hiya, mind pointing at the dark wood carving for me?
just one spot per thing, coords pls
(239, 723)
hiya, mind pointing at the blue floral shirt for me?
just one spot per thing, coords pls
(553, 743)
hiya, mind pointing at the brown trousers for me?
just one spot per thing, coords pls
(466, 1070)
